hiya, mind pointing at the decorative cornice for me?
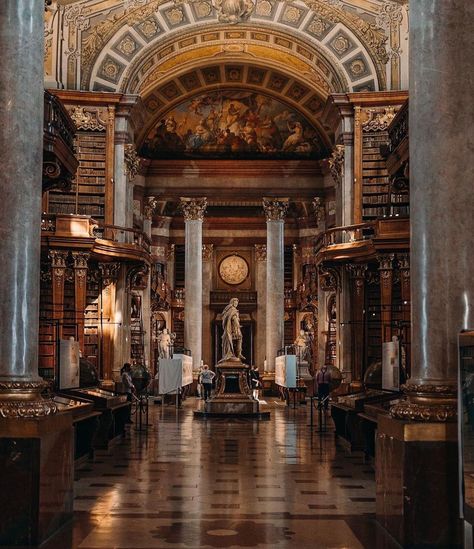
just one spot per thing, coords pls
(207, 252)
(193, 209)
(275, 208)
(132, 161)
(260, 252)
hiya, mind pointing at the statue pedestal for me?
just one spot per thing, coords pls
(233, 395)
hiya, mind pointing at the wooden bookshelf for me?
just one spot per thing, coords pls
(88, 192)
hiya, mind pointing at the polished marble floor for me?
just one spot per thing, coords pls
(192, 483)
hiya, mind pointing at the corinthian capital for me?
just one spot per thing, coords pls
(193, 208)
(150, 206)
(275, 208)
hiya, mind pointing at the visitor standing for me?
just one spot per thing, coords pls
(206, 379)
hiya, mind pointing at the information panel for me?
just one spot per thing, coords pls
(391, 365)
(285, 371)
(68, 364)
(466, 424)
(175, 373)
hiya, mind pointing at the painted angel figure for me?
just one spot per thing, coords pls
(165, 342)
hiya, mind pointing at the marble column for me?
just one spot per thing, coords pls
(21, 140)
(261, 288)
(193, 210)
(275, 211)
(207, 257)
(418, 510)
(441, 199)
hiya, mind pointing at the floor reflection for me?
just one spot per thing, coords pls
(201, 484)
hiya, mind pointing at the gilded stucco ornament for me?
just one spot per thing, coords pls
(319, 210)
(86, 119)
(336, 163)
(132, 161)
(378, 119)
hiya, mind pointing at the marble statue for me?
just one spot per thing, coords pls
(165, 342)
(303, 346)
(232, 335)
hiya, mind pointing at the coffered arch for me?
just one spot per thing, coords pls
(340, 48)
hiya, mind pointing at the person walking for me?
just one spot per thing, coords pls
(128, 385)
(206, 379)
(323, 382)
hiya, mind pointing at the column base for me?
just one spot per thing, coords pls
(429, 403)
(22, 399)
(417, 482)
(36, 474)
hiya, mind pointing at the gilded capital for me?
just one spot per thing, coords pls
(150, 206)
(275, 208)
(58, 258)
(109, 272)
(193, 208)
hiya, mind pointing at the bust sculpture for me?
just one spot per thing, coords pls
(231, 335)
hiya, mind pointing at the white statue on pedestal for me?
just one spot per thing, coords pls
(165, 342)
(232, 335)
(303, 347)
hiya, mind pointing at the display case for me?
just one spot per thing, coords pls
(114, 413)
(355, 424)
(85, 422)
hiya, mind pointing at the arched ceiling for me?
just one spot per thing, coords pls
(168, 52)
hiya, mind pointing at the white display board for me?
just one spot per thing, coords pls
(391, 365)
(174, 373)
(68, 364)
(285, 371)
(187, 369)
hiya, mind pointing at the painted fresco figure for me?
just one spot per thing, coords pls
(232, 335)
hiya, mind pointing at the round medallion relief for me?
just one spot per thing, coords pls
(233, 269)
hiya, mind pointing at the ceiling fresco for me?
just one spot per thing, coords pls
(233, 124)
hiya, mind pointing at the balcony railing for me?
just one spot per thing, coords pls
(398, 129)
(59, 161)
(347, 234)
(123, 235)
